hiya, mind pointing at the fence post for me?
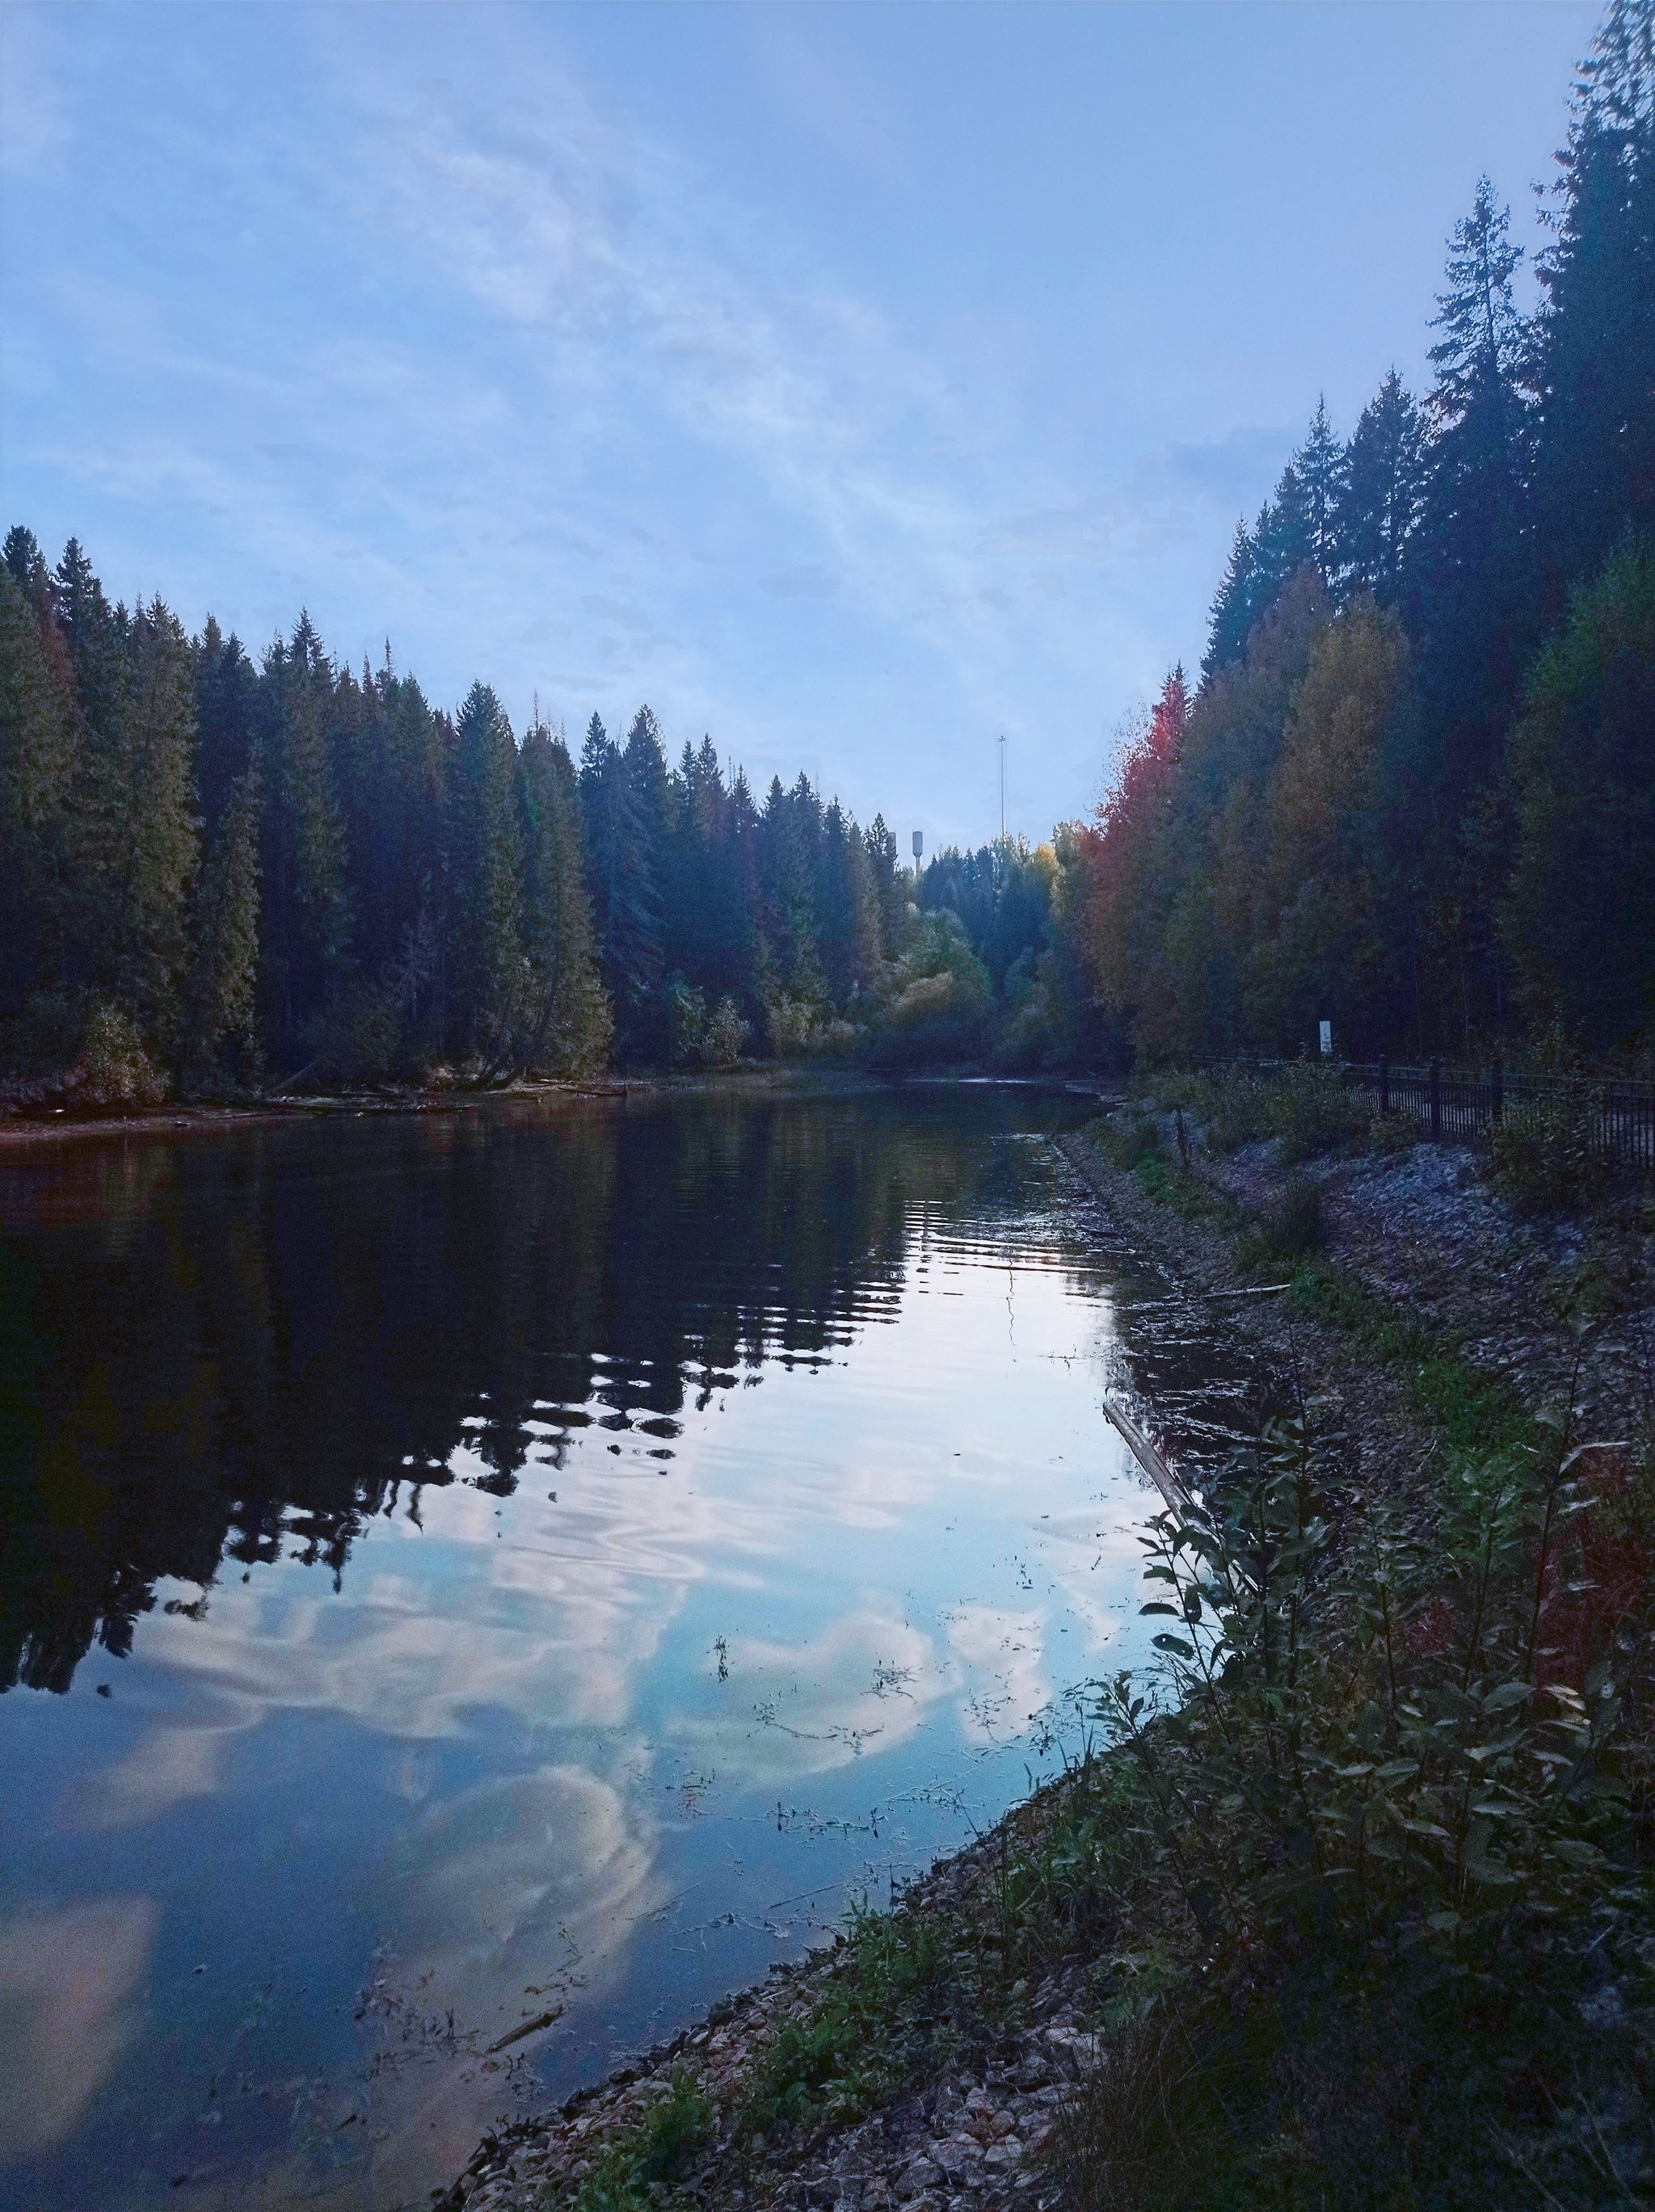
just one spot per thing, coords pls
(1497, 1103)
(1384, 1084)
(1436, 1101)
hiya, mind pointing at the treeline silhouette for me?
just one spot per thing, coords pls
(216, 870)
(1412, 790)
(214, 867)
(213, 871)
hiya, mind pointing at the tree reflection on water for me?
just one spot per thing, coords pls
(217, 1351)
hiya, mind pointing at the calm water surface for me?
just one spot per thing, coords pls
(469, 1569)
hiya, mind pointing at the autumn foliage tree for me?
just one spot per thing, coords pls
(1129, 840)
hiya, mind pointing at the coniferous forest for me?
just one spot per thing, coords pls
(1411, 790)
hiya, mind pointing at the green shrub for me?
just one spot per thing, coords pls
(1231, 1110)
(705, 1036)
(112, 1067)
(1293, 1223)
(727, 1033)
(1394, 1132)
(1309, 1108)
(1398, 1796)
(1306, 1105)
(1541, 1159)
(1290, 1230)
(856, 2044)
(632, 2172)
(1125, 1137)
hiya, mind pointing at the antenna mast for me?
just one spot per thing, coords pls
(1002, 787)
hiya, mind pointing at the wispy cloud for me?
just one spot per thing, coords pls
(507, 376)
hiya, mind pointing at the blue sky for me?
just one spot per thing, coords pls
(852, 383)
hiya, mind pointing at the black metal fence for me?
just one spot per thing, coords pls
(1613, 1120)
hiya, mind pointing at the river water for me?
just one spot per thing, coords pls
(522, 1566)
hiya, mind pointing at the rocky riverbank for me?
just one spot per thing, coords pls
(968, 2130)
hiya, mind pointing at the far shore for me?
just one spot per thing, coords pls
(33, 1125)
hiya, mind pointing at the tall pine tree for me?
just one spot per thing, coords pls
(1383, 491)
(487, 847)
(1595, 471)
(570, 1023)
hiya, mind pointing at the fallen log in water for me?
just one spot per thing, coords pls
(1149, 1459)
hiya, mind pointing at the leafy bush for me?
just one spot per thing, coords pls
(1389, 1783)
(931, 1031)
(113, 1068)
(1147, 2128)
(1309, 1108)
(727, 1033)
(1035, 1033)
(1126, 1137)
(1130, 1139)
(704, 1038)
(798, 1029)
(937, 1001)
(1394, 1132)
(1541, 1159)
(1304, 1104)
(1232, 1108)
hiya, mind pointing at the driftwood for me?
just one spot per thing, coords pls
(528, 2027)
(1148, 1458)
(1198, 1298)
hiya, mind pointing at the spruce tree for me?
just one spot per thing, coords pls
(625, 803)
(889, 889)
(570, 1023)
(1320, 464)
(1231, 616)
(1595, 469)
(38, 751)
(139, 834)
(603, 809)
(1282, 541)
(634, 948)
(223, 995)
(1577, 916)
(487, 845)
(1479, 615)
(40, 769)
(304, 863)
(1383, 491)
(226, 693)
(846, 909)
(21, 554)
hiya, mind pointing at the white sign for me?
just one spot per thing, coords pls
(1327, 1040)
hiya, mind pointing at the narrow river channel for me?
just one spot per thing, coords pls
(475, 1569)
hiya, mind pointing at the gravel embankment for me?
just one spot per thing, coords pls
(968, 2137)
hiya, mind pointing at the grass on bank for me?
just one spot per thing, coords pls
(637, 2167)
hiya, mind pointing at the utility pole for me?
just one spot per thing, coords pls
(1002, 787)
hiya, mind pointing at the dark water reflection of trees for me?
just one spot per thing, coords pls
(217, 1350)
